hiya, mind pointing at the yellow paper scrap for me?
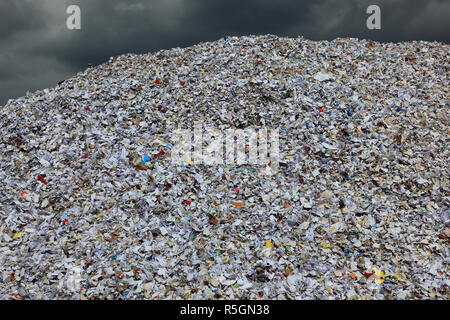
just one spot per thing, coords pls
(269, 244)
(18, 235)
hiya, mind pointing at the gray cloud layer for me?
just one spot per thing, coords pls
(37, 50)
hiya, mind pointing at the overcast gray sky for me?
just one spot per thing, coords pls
(37, 50)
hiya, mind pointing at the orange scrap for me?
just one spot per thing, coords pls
(238, 203)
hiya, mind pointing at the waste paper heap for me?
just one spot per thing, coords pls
(92, 206)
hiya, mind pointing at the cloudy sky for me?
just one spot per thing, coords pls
(37, 50)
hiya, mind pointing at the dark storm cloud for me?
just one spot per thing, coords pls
(37, 50)
(17, 16)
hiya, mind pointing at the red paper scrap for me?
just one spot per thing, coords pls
(42, 179)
